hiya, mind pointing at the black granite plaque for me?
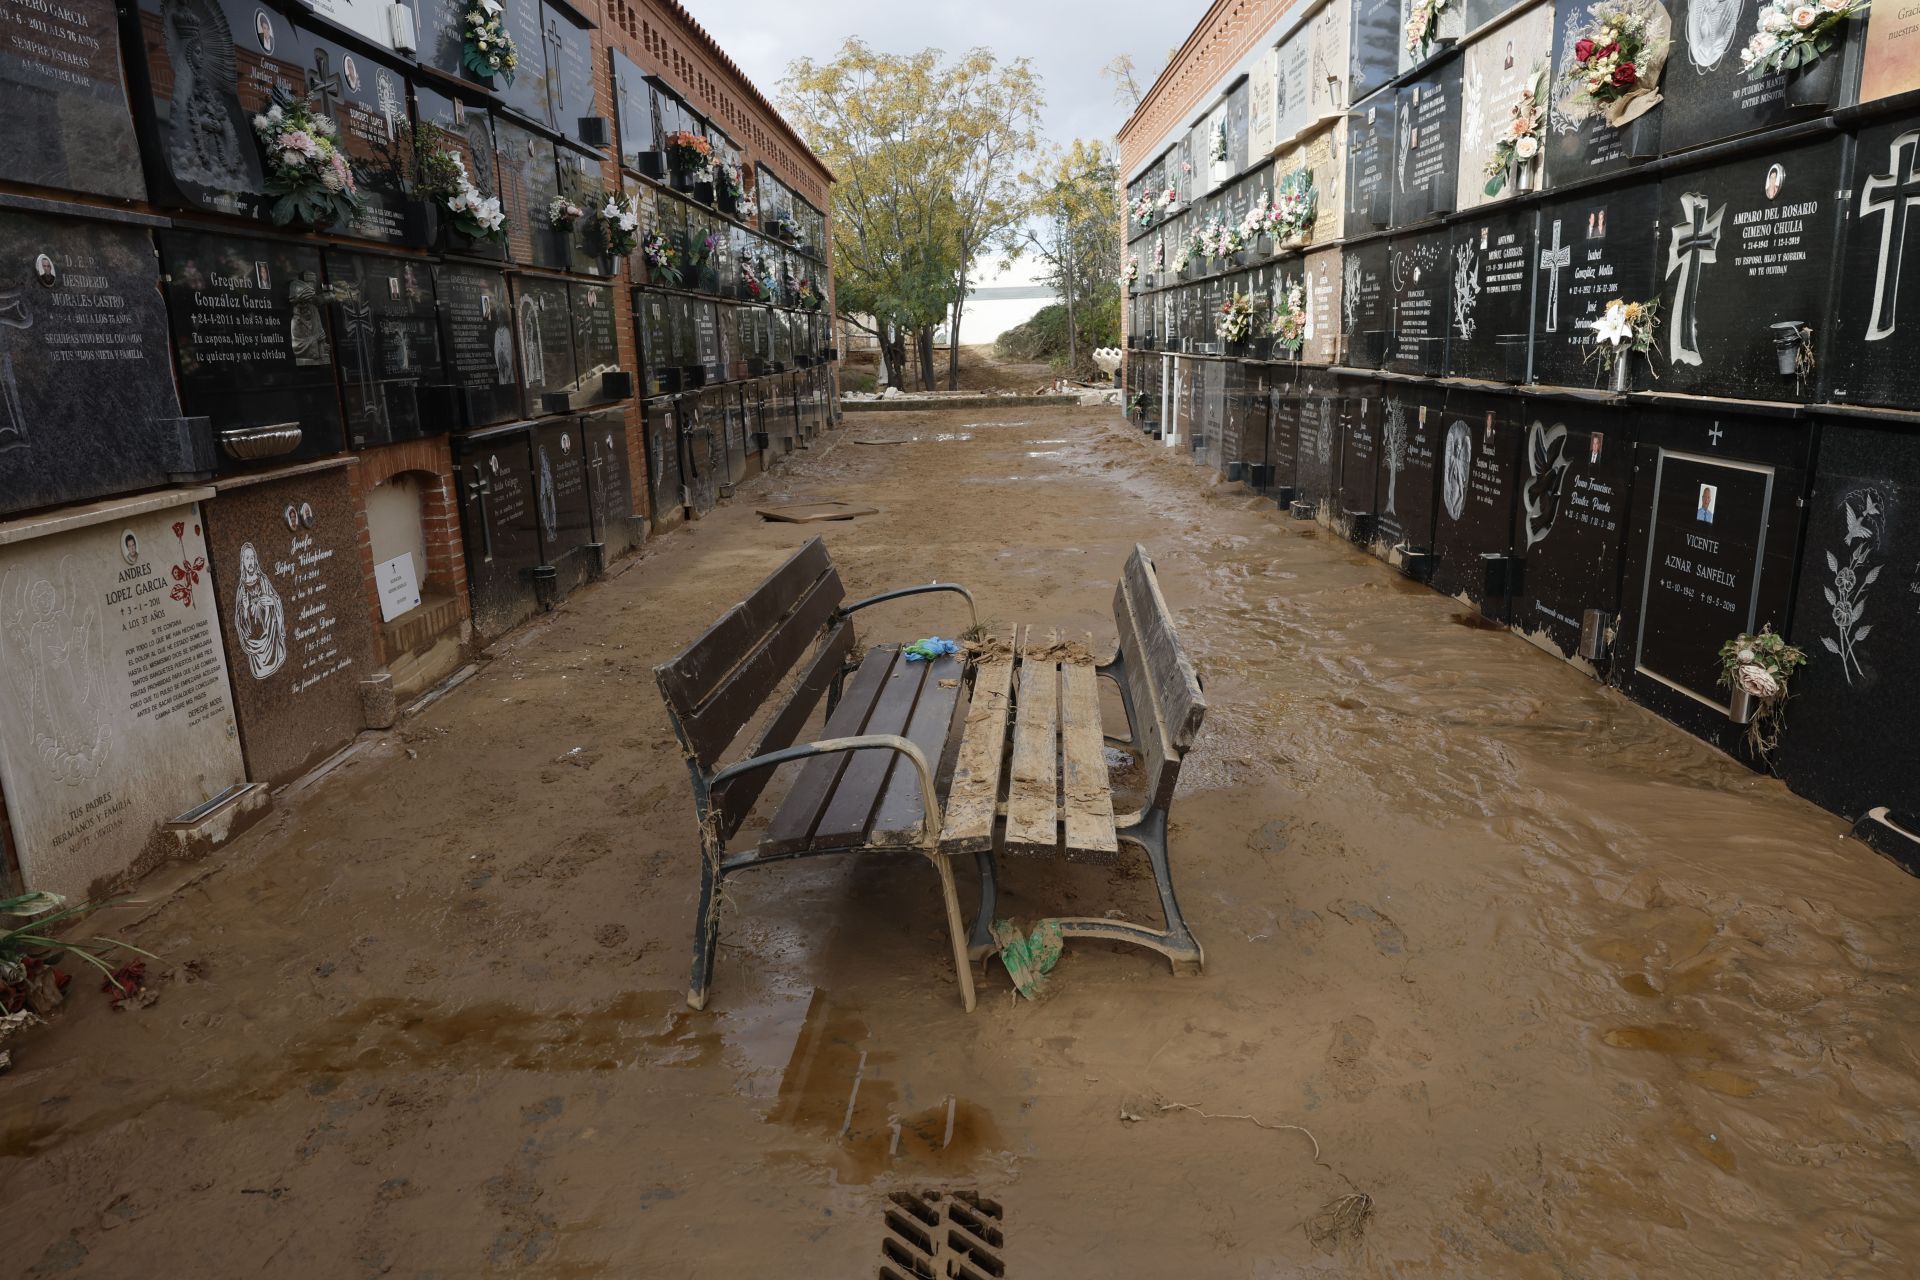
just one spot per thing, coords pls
(529, 181)
(659, 359)
(386, 328)
(573, 102)
(1747, 246)
(1366, 303)
(476, 333)
(1410, 423)
(1358, 477)
(1427, 146)
(1876, 330)
(439, 29)
(1374, 52)
(367, 101)
(640, 148)
(526, 94)
(1858, 619)
(1490, 296)
(562, 501)
(663, 460)
(207, 67)
(1478, 466)
(67, 124)
(1237, 127)
(1592, 249)
(251, 343)
(1480, 12)
(465, 128)
(1588, 147)
(1708, 93)
(1370, 167)
(586, 243)
(1419, 270)
(87, 403)
(500, 519)
(1574, 478)
(543, 322)
(609, 482)
(596, 348)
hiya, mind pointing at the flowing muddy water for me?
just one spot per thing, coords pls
(1559, 990)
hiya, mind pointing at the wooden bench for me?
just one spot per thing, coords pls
(868, 783)
(1031, 774)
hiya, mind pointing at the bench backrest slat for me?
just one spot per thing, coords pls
(783, 730)
(719, 683)
(1168, 702)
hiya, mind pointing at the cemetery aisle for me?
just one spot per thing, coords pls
(1556, 985)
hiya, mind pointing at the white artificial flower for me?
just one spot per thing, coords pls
(1526, 148)
(1805, 16)
(1613, 327)
(1755, 680)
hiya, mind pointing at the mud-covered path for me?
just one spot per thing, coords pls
(1565, 992)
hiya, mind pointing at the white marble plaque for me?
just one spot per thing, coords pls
(115, 715)
(1326, 154)
(1331, 39)
(1294, 69)
(1263, 107)
(367, 17)
(1497, 67)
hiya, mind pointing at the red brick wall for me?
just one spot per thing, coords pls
(1197, 73)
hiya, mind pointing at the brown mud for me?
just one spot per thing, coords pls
(1555, 989)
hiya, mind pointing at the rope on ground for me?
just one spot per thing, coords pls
(1208, 1115)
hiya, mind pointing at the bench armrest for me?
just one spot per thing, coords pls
(847, 609)
(829, 746)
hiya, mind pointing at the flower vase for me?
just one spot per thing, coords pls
(1522, 177)
(682, 180)
(1622, 374)
(653, 164)
(1813, 85)
(1743, 707)
(1263, 247)
(703, 192)
(1786, 347)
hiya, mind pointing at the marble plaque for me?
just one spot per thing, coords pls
(1478, 464)
(562, 501)
(1591, 250)
(1284, 407)
(67, 124)
(1708, 93)
(1325, 157)
(206, 69)
(1293, 84)
(500, 522)
(529, 181)
(1323, 277)
(369, 19)
(526, 94)
(664, 490)
(573, 101)
(1372, 164)
(1358, 481)
(1491, 292)
(1480, 12)
(1494, 71)
(1745, 246)
(1590, 147)
(285, 556)
(87, 404)
(633, 106)
(251, 343)
(476, 333)
(1410, 425)
(387, 342)
(1265, 107)
(1427, 147)
(544, 323)
(1858, 618)
(1420, 270)
(1328, 63)
(609, 481)
(367, 102)
(596, 348)
(1374, 47)
(1366, 304)
(580, 182)
(1575, 475)
(1237, 128)
(117, 716)
(1875, 330)
(1447, 29)
(466, 129)
(1890, 54)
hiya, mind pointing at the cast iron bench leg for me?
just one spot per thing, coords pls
(706, 934)
(1181, 947)
(981, 945)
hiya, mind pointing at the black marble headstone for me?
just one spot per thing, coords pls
(1708, 93)
(465, 127)
(1591, 250)
(580, 182)
(543, 322)
(1237, 126)
(1480, 12)
(1427, 146)
(206, 69)
(87, 402)
(1356, 496)
(573, 102)
(440, 31)
(1285, 405)
(393, 382)
(1872, 352)
(526, 94)
(1374, 52)
(529, 181)
(1857, 616)
(251, 342)
(596, 348)
(663, 460)
(67, 124)
(1410, 422)
(367, 100)
(476, 333)
(1366, 303)
(1490, 297)
(1745, 246)
(1575, 474)
(1370, 167)
(562, 502)
(1419, 269)
(609, 481)
(1478, 464)
(1589, 147)
(640, 147)
(500, 518)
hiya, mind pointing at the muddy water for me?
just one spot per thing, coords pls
(1562, 991)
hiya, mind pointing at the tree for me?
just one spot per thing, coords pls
(1126, 86)
(929, 159)
(1075, 233)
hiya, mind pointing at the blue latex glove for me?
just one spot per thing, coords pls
(930, 648)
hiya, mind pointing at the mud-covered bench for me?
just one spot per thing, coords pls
(1031, 777)
(867, 783)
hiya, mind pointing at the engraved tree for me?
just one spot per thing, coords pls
(1393, 439)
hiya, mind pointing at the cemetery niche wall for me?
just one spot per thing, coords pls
(1556, 316)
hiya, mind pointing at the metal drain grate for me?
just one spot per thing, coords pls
(936, 1235)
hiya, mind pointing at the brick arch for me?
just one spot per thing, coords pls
(430, 462)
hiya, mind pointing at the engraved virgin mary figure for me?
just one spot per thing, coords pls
(52, 647)
(203, 139)
(259, 619)
(13, 417)
(306, 329)
(1711, 25)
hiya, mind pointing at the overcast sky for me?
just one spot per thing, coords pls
(1068, 41)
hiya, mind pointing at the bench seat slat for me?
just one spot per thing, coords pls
(974, 797)
(1033, 795)
(849, 810)
(794, 821)
(1085, 790)
(900, 816)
